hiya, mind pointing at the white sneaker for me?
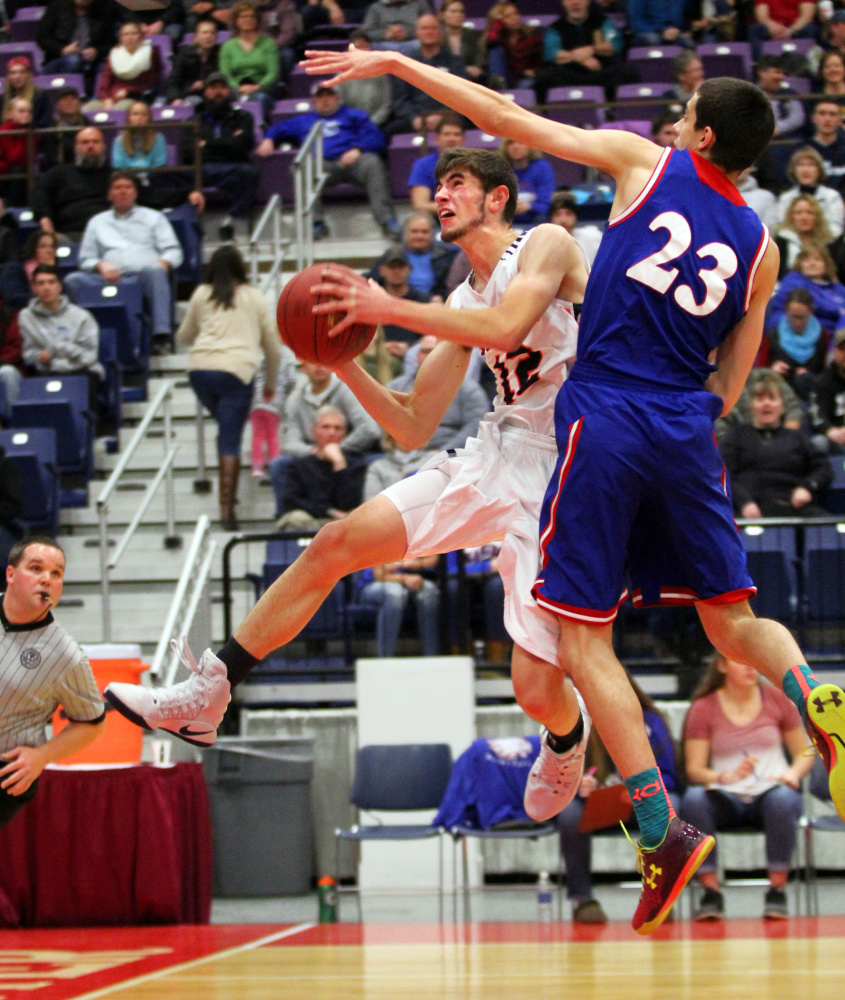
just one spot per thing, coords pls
(191, 710)
(555, 778)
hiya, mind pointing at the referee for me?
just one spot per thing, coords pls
(41, 667)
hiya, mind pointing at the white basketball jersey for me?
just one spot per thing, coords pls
(528, 378)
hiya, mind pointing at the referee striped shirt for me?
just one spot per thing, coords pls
(42, 667)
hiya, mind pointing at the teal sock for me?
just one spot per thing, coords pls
(798, 682)
(651, 805)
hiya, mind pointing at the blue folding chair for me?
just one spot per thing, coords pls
(34, 452)
(61, 403)
(772, 564)
(185, 222)
(824, 551)
(110, 397)
(396, 778)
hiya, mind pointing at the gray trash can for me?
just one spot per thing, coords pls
(260, 793)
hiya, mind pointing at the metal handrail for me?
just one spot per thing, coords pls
(183, 607)
(162, 401)
(308, 181)
(272, 215)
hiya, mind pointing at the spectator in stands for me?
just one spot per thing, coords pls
(394, 270)
(76, 35)
(658, 22)
(18, 152)
(351, 145)
(16, 277)
(462, 39)
(815, 272)
(564, 212)
(803, 227)
(831, 78)
(169, 21)
(226, 140)
(372, 96)
(734, 735)
(827, 402)
(394, 465)
(68, 195)
(318, 14)
(789, 112)
(775, 471)
(780, 20)
(762, 201)
(67, 115)
(536, 181)
(218, 11)
(688, 71)
(834, 40)
(580, 48)
(60, 338)
(807, 173)
(12, 368)
(139, 147)
(132, 72)
(798, 342)
(131, 240)
(20, 83)
(663, 130)
(742, 413)
(250, 59)
(514, 49)
(326, 483)
(461, 420)
(266, 414)
(828, 139)
(229, 329)
(393, 20)
(193, 63)
(391, 588)
(430, 259)
(413, 110)
(12, 507)
(421, 180)
(576, 847)
(283, 23)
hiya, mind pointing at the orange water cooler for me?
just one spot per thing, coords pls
(122, 741)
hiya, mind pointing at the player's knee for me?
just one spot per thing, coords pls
(331, 547)
(533, 692)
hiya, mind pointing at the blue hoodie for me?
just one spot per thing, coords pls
(347, 128)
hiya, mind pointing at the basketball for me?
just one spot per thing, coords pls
(305, 333)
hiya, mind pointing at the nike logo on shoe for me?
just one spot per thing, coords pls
(187, 731)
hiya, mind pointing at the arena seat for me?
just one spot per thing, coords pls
(34, 452)
(580, 106)
(654, 62)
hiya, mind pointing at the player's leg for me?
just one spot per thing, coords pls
(769, 647)
(372, 534)
(546, 695)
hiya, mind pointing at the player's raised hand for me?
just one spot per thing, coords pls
(350, 65)
(361, 300)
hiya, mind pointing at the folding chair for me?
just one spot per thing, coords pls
(818, 791)
(396, 778)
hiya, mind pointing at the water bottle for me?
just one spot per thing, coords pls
(327, 898)
(544, 898)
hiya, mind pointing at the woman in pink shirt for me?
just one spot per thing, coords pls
(734, 737)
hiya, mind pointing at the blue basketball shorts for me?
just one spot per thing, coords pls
(638, 504)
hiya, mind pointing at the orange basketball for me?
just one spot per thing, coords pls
(305, 333)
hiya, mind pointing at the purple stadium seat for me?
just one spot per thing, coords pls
(654, 62)
(800, 84)
(726, 59)
(646, 100)
(581, 106)
(276, 176)
(788, 46)
(24, 27)
(523, 96)
(637, 127)
(282, 110)
(300, 83)
(403, 151)
(567, 174)
(10, 49)
(222, 36)
(56, 80)
(539, 20)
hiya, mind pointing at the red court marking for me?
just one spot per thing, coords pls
(505, 933)
(72, 962)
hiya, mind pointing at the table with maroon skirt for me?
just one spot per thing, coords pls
(109, 846)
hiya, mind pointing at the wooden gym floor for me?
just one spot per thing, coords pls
(800, 959)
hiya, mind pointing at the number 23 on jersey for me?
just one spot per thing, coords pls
(650, 271)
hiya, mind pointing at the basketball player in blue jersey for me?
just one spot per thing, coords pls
(671, 324)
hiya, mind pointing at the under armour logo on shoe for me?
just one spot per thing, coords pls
(834, 700)
(650, 879)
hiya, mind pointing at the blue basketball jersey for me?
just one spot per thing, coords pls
(671, 279)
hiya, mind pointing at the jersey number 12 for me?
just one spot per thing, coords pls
(649, 271)
(524, 372)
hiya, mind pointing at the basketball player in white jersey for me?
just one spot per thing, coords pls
(41, 667)
(518, 306)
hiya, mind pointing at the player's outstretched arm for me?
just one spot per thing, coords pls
(611, 151)
(412, 417)
(735, 355)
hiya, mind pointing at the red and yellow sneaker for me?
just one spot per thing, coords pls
(826, 727)
(666, 869)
